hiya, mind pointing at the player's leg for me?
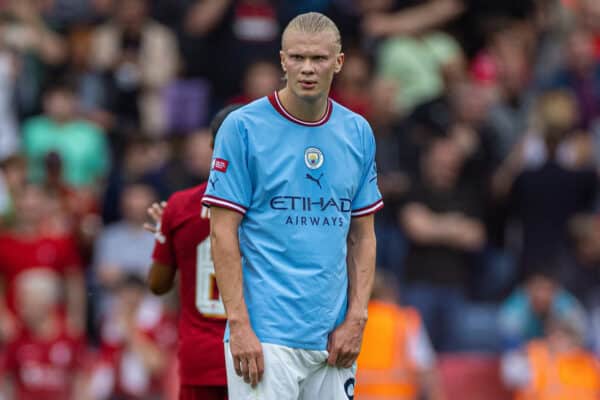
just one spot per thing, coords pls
(330, 383)
(193, 392)
(280, 380)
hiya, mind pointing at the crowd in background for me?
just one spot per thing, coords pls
(487, 121)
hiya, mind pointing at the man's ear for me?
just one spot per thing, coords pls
(282, 60)
(339, 62)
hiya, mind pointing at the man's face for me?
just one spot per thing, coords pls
(30, 205)
(310, 60)
(60, 105)
(134, 202)
(541, 294)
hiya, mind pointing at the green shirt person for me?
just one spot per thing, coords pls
(81, 145)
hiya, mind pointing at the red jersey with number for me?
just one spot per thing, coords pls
(185, 244)
(43, 369)
(18, 254)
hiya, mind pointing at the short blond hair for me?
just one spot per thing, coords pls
(313, 22)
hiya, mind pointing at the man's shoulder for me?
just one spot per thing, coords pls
(251, 110)
(252, 114)
(187, 200)
(343, 113)
(182, 196)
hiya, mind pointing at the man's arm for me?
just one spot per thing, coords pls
(345, 341)
(161, 278)
(451, 229)
(75, 299)
(8, 322)
(244, 345)
(414, 20)
(161, 275)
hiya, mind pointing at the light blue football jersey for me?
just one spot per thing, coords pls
(298, 185)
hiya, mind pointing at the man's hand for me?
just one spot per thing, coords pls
(155, 211)
(345, 342)
(247, 353)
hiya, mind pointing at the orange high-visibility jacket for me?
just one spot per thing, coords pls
(385, 370)
(570, 376)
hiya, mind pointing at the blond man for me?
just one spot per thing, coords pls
(293, 189)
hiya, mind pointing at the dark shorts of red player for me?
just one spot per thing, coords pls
(194, 392)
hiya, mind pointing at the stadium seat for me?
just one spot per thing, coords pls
(471, 376)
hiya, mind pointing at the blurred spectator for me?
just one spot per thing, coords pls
(137, 337)
(193, 166)
(549, 178)
(143, 161)
(70, 212)
(348, 15)
(139, 57)
(415, 19)
(81, 146)
(581, 75)
(12, 178)
(236, 34)
(585, 231)
(442, 220)
(38, 49)
(590, 19)
(352, 83)
(556, 367)
(9, 139)
(478, 141)
(524, 314)
(419, 65)
(24, 247)
(45, 361)
(502, 70)
(394, 152)
(125, 248)
(396, 358)
(206, 30)
(260, 79)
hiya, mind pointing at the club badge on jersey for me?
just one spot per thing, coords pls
(313, 158)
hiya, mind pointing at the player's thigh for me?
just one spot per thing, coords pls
(329, 383)
(280, 379)
(195, 392)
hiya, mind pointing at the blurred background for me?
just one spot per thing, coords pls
(487, 120)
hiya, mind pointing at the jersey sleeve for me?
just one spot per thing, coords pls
(229, 183)
(164, 252)
(367, 199)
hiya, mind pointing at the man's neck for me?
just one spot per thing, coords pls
(304, 110)
(47, 329)
(25, 230)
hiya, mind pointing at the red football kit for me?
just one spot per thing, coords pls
(20, 254)
(44, 369)
(184, 243)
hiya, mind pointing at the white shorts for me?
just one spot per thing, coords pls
(293, 374)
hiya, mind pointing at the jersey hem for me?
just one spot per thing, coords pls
(290, 344)
(364, 211)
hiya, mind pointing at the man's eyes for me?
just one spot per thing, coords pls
(297, 57)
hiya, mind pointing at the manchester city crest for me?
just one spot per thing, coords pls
(313, 158)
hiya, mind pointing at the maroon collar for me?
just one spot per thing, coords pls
(276, 103)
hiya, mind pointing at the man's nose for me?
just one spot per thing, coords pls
(307, 67)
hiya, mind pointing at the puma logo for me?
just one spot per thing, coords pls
(315, 180)
(213, 182)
